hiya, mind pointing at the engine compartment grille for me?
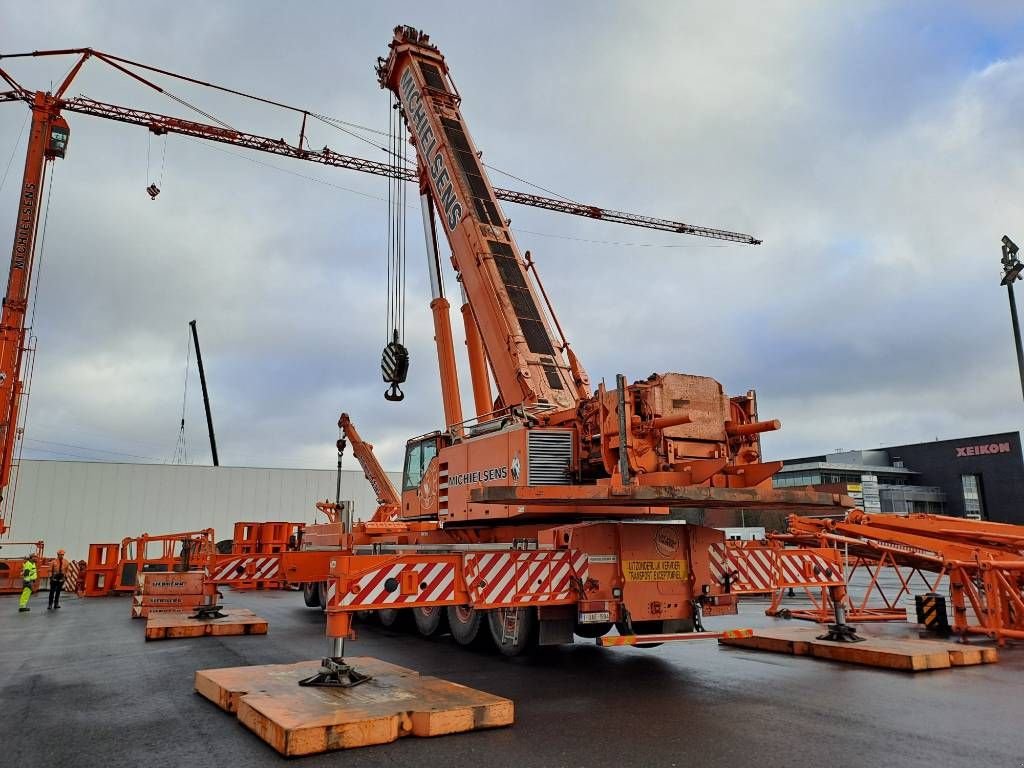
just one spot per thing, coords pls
(549, 457)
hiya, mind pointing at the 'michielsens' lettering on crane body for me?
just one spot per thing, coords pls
(416, 116)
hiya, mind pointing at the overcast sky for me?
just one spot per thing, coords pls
(875, 147)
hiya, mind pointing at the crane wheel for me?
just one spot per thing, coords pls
(467, 625)
(311, 594)
(393, 618)
(592, 631)
(514, 630)
(431, 620)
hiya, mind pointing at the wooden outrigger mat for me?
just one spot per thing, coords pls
(237, 621)
(905, 654)
(395, 702)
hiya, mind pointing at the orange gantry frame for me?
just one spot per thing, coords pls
(982, 561)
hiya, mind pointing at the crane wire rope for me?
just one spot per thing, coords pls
(14, 149)
(181, 447)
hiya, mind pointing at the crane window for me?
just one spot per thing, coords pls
(417, 458)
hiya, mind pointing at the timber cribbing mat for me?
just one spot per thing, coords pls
(395, 702)
(904, 654)
(236, 621)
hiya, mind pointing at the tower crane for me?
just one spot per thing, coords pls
(48, 140)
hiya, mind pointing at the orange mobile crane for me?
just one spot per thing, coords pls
(547, 515)
(48, 140)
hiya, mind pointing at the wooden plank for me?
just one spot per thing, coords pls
(395, 702)
(226, 686)
(237, 621)
(907, 654)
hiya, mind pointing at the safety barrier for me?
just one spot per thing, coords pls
(10, 567)
(100, 570)
(769, 568)
(253, 539)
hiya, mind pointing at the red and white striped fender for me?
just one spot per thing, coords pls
(510, 578)
(245, 568)
(810, 568)
(750, 569)
(434, 579)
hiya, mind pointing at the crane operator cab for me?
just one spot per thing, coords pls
(57, 144)
(420, 497)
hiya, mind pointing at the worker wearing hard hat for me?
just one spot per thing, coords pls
(29, 574)
(57, 574)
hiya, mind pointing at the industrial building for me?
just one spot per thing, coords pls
(981, 477)
(71, 504)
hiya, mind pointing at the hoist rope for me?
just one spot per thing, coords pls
(41, 252)
(181, 448)
(14, 149)
(396, 233)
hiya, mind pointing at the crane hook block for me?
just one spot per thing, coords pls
(394, 365)
(153, 190)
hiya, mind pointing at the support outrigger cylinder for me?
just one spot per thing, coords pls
(334, 672)
(840, 632)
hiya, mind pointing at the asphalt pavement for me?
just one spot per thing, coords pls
(81, 687)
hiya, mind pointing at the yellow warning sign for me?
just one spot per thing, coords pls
(654, 570)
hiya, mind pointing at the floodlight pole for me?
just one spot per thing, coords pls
(1012, 269)
(1016, 335)
(206, 394)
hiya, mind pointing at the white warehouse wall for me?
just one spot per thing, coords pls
(71, 504)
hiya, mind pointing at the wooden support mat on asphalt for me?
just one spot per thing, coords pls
(237, 621)
(395, 702)
(910, 655)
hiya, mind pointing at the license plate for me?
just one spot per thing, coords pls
(595, 617)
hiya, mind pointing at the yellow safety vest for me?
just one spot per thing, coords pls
(29, 572)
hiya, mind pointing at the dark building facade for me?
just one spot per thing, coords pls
(981, 476)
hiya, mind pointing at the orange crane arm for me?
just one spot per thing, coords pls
(387, 497)
(526, 356)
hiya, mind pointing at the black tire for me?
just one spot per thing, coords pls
(526, 637)
(224, 546)
(395, 618)
(311, 594)
(593, 631)
(323, 595)
(467, 625)
(431, 621)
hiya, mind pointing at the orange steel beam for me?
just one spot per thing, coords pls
(658, 496)
(483, 400)
(387, 497)
(15, 305)
(451, 398)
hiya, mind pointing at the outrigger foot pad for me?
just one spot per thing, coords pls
(842, 633)
(207, 612)
(335, 673)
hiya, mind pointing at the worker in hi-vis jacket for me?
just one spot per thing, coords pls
(29, 574)
(57, 575)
